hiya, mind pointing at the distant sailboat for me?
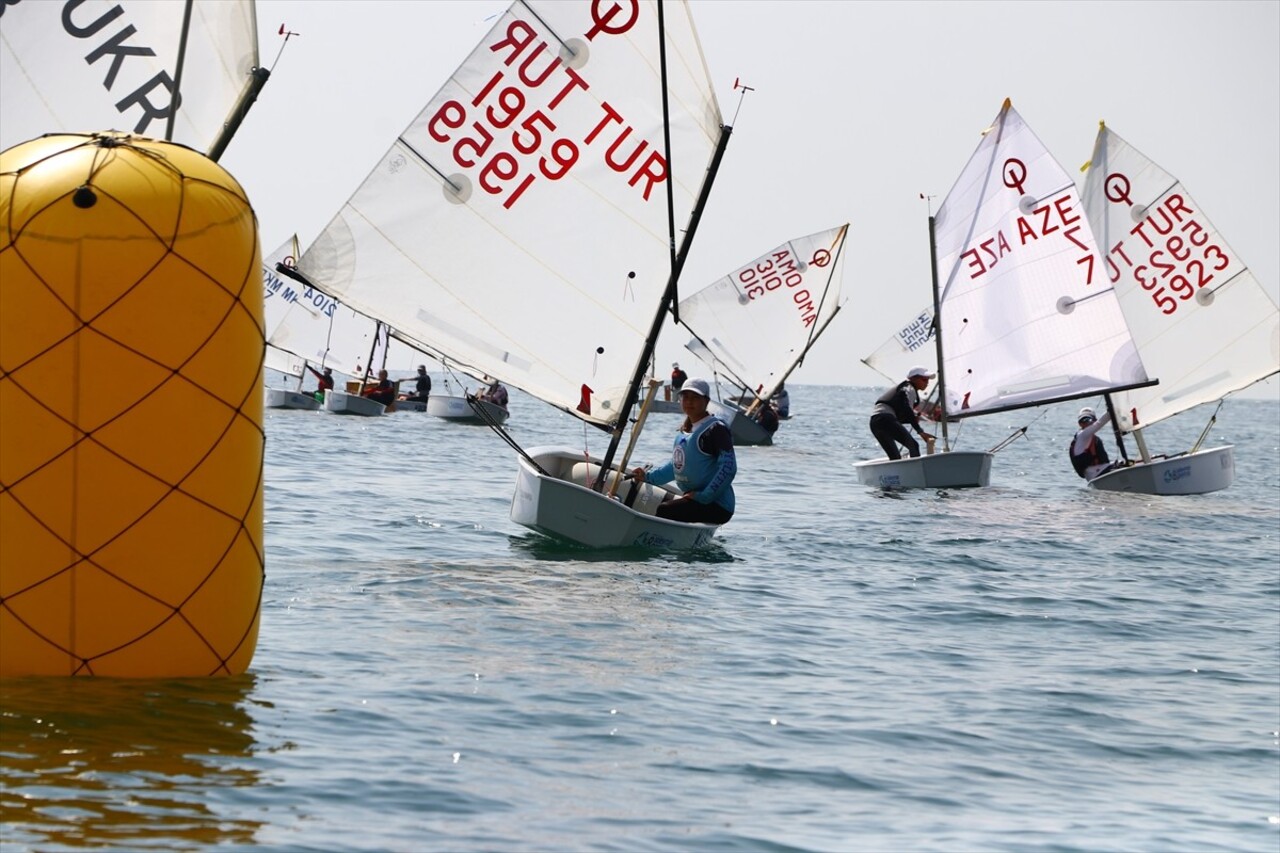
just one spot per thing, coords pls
(186, 71)
(758, 323)
(1024, 314)
(523, 227)
(277, 301)
(1200, 319)
(911, 345)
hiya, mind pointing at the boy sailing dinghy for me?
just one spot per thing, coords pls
(1198, 316)
(523, 224)
(756, 324)
(1024, 316)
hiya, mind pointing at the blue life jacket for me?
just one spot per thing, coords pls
(696, 470)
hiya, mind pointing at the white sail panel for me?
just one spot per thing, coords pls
(518, 226)
(278, 293)
(1203, 323)
(304, 324)
(760, 320)
(908, 347)
(111, 65)
(1028, 314)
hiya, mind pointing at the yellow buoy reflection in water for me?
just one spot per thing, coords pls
(130, 411)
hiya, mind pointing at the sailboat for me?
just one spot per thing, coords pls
(757, 323)
(524, 224)
(278, 299)
(305, 327)
(1199, 317)
(185, 71)
(1024, 314)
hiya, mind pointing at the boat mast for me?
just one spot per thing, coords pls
(177, 71)
(677, 261)
(937, 334)
(257, 79)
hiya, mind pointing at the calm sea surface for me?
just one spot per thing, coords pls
(1032, 666)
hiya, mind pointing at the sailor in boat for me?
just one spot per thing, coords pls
(496, 394)
(678, 376)
(422, 386)
(1088, 456)
(702, 462)
(383, 392)
(897, 407)
(782, 402)
(767, 417)
(324, 380)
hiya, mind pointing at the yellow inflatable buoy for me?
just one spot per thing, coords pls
(131, 435)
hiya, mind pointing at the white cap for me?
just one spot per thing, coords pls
(697, 386)
(919, 371)
(675, 364)
(1086, 412)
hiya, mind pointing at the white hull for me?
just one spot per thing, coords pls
(283, 398)
(958, 469)
(1188, 474)
(458, 410)
(342, 403)
(561, 505)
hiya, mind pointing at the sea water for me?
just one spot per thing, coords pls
(1030, 666)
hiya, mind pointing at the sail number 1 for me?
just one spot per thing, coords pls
(512, 145)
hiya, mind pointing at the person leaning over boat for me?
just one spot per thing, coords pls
(897, 407)
(422, 388)
(702, 462)
(325, 380)
(496, 394)
(782, 402)
(767, 417)
(383, 392)
(1088, 456)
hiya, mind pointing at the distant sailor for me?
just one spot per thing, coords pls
(422, 386)
(325, 380)
(496, 394)
(702, 462)
(678, 376)
(782, 401)
(1088, 456)
(897, 407)
(383, 391)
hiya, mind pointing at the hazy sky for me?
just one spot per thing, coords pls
(858, 108)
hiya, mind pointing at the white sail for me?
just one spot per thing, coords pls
(112, 64)
(278, 293)
(518, 226)
(1203, 323)
(1028, 314)
(304, 324)
(760, 320)
(911, 345)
